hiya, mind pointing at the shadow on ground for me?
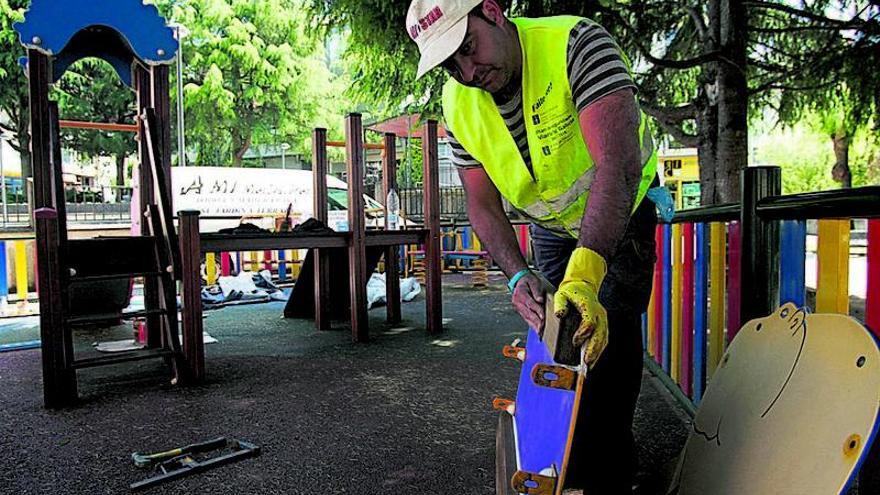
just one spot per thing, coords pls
(406, 413)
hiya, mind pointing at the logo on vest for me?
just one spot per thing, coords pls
(543, 99)
(425, 22)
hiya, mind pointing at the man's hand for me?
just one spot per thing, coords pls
(528, 299)
(580, 288)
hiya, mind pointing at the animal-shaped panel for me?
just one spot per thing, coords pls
(792, 408)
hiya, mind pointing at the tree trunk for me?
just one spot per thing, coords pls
(840, 172)
(733, 102)
(241, 149)
(120, 175)
(707, 147)
(707, 111)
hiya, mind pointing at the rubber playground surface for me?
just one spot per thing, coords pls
(406, 413)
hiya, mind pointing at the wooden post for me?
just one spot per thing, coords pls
(143, 88)
(357, 254)
(392, 261)
(431, 199)
(161, 98)
(760, 245)
(320, 256)
(191, 287)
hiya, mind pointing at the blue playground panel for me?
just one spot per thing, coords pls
(542, 416)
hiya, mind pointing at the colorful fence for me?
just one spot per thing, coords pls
(705, 273)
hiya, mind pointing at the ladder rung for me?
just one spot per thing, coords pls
(121, 358)
(115, 276)
(124, 316)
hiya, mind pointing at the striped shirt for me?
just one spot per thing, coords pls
(595, 69)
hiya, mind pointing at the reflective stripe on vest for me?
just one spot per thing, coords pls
(556, 196)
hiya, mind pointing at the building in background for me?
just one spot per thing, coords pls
(681, 171)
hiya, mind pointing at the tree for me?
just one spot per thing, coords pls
(253, 75)
(90, 90)
(13, 83)
(718, 60)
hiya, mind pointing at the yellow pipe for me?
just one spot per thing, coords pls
(21, 272)
(255, 261)
(476, 241)
(211, 268)
(717, 283)
(676, 302)
(295, 265)
(832, 289)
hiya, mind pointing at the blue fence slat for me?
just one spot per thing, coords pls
(20, 346)
(4, 283)
(793, 252)
(667, 299)
(282, 266)
(701, 301)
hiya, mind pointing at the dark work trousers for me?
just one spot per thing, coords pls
(603, 459)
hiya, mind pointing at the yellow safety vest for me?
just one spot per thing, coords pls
(563, 168)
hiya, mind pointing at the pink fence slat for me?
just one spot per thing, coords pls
(734, 278)
(659, 296)
(872, 303)
(267, 260)
(523, 236)
(687, 314)
(225, 264)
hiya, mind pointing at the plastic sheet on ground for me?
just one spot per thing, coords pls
(409, 289)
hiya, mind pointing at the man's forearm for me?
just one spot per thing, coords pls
(496, 234)
(611, 130)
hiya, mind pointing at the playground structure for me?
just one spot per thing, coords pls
(356, 242)
(56, 35)
(133, 38)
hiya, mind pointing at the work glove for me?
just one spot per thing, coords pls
(580, 288)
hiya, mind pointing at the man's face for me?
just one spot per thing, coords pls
(486, 58)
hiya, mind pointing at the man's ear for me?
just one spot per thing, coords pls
(492, 12)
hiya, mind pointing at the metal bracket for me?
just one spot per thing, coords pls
(506, 405)
(533, 484)
(514, 352)
(554, 376)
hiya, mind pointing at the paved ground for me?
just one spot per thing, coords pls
(407, 413)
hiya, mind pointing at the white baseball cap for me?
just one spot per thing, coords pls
(438, 28)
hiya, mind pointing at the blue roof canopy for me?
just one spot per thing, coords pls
(118, 31)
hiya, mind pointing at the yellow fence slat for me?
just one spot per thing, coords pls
(717, 284)
(832, 290)
(676, 303)
(21, 269)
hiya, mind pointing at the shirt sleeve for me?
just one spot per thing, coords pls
(460, 157)
(595, 64)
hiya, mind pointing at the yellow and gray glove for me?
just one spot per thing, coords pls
(580, 288)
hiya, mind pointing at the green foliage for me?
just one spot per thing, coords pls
(411, 172)
(13, 83)
(806, 156)
(253, 75)
(90, 90)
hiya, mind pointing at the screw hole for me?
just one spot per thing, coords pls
(861, 361)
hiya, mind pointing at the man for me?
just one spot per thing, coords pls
(543, 113)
